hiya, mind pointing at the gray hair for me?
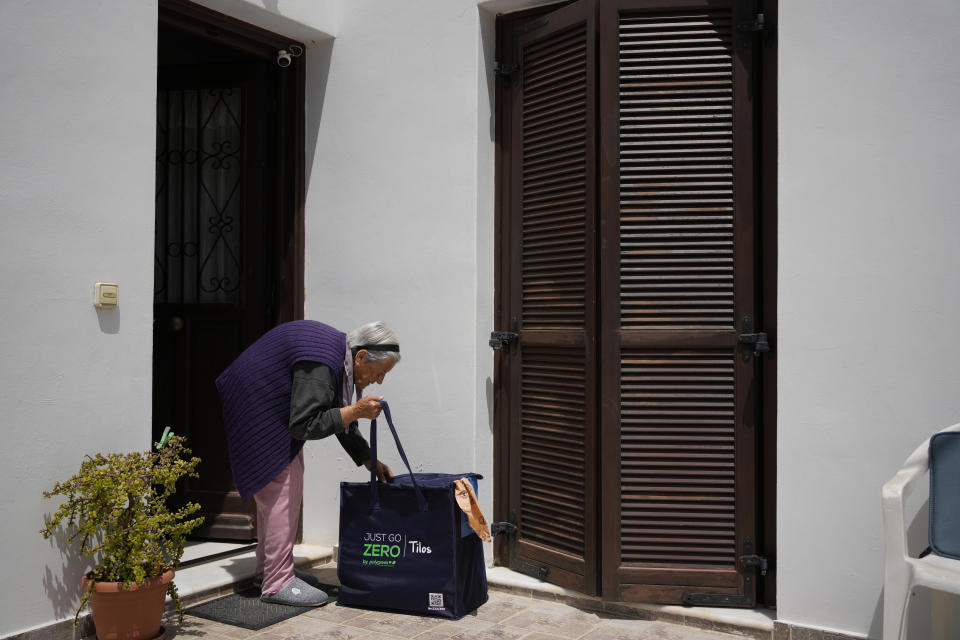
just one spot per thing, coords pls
(373, 334)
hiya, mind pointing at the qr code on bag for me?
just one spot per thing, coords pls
(436, 600)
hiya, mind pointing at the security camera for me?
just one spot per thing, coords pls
(285, 58)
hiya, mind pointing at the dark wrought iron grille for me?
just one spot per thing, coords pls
(199, 199)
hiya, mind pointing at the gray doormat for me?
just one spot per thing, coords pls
(244, 609)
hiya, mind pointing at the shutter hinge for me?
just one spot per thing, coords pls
(505, 69)
(757, 24)
(500, 339)
(752, 561)
(538, 572)
(510, 71)
(510, 530)
(748, 564)
(758, 339)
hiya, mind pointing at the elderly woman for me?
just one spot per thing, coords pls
(297, 383)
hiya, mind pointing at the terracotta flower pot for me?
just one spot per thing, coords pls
(129, 614)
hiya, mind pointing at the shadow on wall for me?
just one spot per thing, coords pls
(490, 403)
(318, 71)
(109, 320)
(488, 42)
(63, 587)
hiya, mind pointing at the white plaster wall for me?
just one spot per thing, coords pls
(399, 215)
(77, 138)
(309, 21)
(401, 139)
(394, 222)
(400, 227)
(868, 305)
(76, 195)
(483, 371)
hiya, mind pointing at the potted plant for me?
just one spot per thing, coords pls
(117, 509)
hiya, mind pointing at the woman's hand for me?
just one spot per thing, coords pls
(367, 407)
(383, 471)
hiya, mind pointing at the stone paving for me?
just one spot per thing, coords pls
(505, 616)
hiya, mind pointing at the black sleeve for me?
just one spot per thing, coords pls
(315, 410)
(314, 402)
(355, 444)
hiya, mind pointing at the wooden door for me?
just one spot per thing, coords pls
(552, 371)
(212, 284)
(678, 272)
(632, 175)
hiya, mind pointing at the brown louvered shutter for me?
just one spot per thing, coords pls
(677, 288)
(553, 301)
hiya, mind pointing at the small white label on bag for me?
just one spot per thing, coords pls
(436, 601)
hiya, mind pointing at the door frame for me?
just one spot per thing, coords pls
(765, 134)
(291, 139)
(287, 200)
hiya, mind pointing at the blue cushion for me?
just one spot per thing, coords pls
(945, 494)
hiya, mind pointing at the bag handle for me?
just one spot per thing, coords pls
(374, 489)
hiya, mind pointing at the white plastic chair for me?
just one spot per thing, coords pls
(901, 572)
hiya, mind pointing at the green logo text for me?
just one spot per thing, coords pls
(380, 550)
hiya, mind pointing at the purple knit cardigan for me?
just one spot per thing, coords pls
(255, 394)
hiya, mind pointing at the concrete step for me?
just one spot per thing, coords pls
(222, 576)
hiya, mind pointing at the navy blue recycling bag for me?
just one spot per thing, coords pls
(403, 546)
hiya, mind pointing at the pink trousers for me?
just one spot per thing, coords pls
(278, 512)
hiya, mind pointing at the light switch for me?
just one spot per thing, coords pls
(106, 295)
